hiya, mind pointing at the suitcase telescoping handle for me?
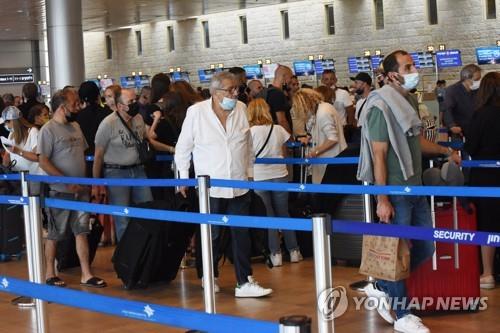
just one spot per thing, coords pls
(433, 218)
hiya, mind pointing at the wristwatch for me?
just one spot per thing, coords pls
(21, 153)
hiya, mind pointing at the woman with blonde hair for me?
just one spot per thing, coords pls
(324, 126)
(269, 141)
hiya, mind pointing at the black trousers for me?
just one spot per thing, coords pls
(240, 238)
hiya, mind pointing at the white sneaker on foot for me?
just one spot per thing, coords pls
(410, 324)
(251, 289)
(277, 259)
(296, 256)
(383, 308)
(216, 285)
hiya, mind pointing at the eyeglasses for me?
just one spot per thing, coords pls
(231, 91)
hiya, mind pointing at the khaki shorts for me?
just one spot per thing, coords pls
(62, 221)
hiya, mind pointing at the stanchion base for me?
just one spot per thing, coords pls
(23, 302)
(360, 285)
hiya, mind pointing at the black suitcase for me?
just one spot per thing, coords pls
(66, 255)
(151, 251)
(11, 232)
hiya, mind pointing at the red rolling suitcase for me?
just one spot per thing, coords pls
(450, 280)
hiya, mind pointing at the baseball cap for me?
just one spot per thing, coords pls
(364, 77)
(10, 113)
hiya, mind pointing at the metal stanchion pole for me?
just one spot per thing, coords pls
(36, 236)
(295, 324)
(206, 245)
(23, 301)
(322, 229)
(361, 285)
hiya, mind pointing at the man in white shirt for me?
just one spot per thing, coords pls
(216, 132)
(342, 102)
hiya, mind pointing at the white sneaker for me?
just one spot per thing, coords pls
(383, 308)
(410, 324)
(296, 256)
(216, 285)
(277, 259)
(251, 289)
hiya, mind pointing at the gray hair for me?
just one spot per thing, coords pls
(216, 82)
(468, 71)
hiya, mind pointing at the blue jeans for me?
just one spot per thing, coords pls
(124, 195)
(409, 211)
(277, 205)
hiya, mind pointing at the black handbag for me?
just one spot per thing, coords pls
(146, 153)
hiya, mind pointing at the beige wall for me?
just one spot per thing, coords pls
(462, 25)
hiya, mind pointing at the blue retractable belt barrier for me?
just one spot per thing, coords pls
(113, 181)
(444, 235)
(451, 191)
(480, 164)
(153, 313)
(10, 176)
(316, 160)
(13, 200)
(159, 158)
(452, 144)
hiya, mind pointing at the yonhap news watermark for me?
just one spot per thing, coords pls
(334, 302)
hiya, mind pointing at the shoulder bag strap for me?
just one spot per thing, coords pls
(265, 143)
(128, 128)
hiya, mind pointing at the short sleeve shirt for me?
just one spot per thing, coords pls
(64, 145)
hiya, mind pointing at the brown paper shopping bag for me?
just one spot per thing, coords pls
(385, 258)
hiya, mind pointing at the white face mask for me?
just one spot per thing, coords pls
(475, 85)
(411, 81)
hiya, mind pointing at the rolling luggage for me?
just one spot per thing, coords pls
(66, 255)
(151, 251)
(456, 272)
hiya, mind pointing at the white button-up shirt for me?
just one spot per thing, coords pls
(217, 152)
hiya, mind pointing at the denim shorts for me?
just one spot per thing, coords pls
(62, 221)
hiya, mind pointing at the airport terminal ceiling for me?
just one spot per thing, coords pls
(24, 19)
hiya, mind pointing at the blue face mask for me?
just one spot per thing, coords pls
(8, 128)
(411, 81)
(228, 104)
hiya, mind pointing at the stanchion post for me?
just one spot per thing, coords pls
(206, 245)
(322, 229)
(23, 301)
(36, 237)
(295, 324)
(367, 201)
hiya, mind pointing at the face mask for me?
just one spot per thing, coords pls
(133, 109)
(411, 81)
(475, 85)
(70, 116)
(242, 89)
(285, 87)
(359, 91)
(44, 120)
(228, 104)
(8, 128)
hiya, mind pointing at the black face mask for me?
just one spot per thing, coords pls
(242, 89)
(70, 116)
(285, 87)
(133, 109)
(360, 91)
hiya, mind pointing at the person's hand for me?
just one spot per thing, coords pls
(77, 189)
(455, 157)
(456, 130)
(183, 191)
(98, 192)
(156, 115)
(304, 140)
(385, 211)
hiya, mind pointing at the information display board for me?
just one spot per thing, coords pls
(422, 59)
(205, 75)
(268, 70)
(303, 68)
(488, 55)
(321, 65)
(179, 76)
(104, 83)
(127, 82)
(376, 60)
(359, 64)
(253, 71)
(141, 81)
(16, 78)
(448, 58)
